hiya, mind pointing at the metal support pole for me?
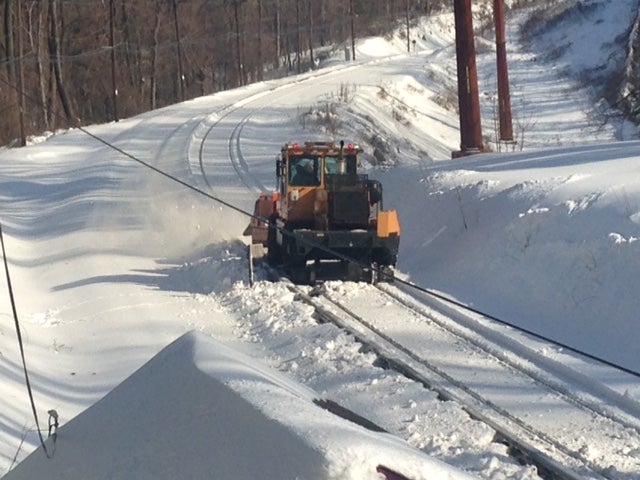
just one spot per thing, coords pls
(504, 97)
(468, 97)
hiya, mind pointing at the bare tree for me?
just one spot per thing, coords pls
(153, 89)
(310, 19)
(180, 81)
(8, 40)
(153, 52)
(236, 4)
(54, 40)
(112, 14)
(298, 45)
(13, 94)
(260, 69)
(35, 27)
(20, 89)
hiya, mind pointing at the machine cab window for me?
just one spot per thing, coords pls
(340, 165)
(331, 166)
(304, 171)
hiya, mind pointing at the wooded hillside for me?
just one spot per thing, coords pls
(68, 57)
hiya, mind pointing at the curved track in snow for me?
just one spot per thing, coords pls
(235, 156)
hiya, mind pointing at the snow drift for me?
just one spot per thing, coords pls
(199, 409)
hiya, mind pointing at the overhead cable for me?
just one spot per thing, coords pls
(22, 355)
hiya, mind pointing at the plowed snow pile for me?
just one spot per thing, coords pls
(200, 410)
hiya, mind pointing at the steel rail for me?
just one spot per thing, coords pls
(553, 459)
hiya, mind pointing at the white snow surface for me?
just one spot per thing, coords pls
(111, 262)
(242, 420)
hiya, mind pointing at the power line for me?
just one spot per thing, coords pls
(22, 355)
(493, 318)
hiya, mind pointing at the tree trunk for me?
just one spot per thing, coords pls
(353, 31)
(20, 90)
(298, 46)
(114, 85)
(8, 40)
(323, 22)
(154, 59)
(260, 59)
(13, 94)
(179, 50)
(278, 36)
(407, 25)
(34, 28)
(311, 33)
(132, 55)
(36, 40)
(54, 39)
(239, 63)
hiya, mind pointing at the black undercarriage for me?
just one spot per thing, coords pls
(310, 256)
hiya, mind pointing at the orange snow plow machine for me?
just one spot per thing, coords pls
(326, 220)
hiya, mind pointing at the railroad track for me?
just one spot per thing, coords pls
(464, 366)
(416, 342)
(234, 152)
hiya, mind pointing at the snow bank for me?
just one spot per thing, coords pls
(551, 238)
(199, 409)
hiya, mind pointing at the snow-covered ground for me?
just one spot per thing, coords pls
(111, 262)
(201, 410)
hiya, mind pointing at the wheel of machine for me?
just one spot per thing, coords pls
(387, 274)
(384, 262)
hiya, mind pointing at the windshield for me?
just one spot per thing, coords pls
(304, 171)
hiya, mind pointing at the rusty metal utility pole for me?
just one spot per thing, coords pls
(468, 98)
(504, 97)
